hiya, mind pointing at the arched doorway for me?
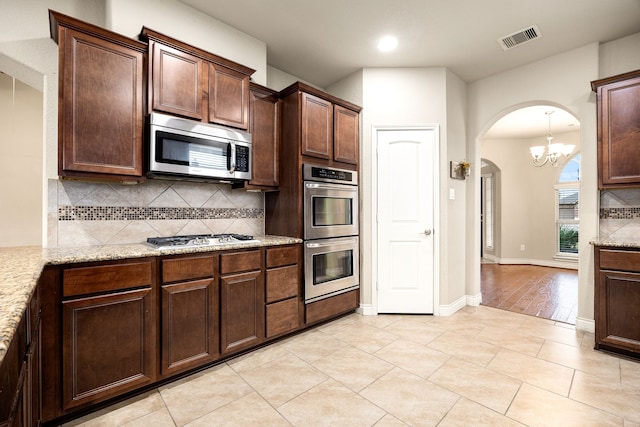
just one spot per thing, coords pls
(527, 222)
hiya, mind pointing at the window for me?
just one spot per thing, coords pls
(487, 208)
(568, 209)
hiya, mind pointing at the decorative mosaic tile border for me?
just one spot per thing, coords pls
(619, 213)
(119, 213)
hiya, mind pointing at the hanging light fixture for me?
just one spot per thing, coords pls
(554, 151)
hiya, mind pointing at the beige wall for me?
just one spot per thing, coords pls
(563, 81)
(415, 97)
(20, 163)
(179, 21)
(526, 200)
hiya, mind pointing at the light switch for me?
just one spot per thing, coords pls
(452, 194)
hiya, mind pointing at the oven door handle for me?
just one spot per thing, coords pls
(351, 188)
(330, 243)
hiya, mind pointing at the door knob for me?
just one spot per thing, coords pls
(427, 232)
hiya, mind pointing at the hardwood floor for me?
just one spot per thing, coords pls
(550, 293)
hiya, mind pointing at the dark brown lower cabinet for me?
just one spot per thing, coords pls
(617, 300)
(20, 403)
(283, 281)
(282, 317)
(189, 316)
(242, 311)
(189, 325)
(108, 345)
(116, 327)
(331, 307)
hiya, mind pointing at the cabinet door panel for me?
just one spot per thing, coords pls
(108, 346)
(265, 139)
(228, 97)
(618, 318)
(100, 112)
(618, 134)
(346, 135)
(242, 311)
(178, 82)
(189, 325)
(317, 127)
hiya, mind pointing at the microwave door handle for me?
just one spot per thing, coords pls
(231, 157)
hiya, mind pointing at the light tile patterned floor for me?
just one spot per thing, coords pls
(479, 367)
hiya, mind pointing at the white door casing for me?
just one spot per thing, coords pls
(407, 173)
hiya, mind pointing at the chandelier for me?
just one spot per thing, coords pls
(554, 150)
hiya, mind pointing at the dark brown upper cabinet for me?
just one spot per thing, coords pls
(264, 125)
(346, 135)
(618, 109)
(322, 128)
(190, 82)
(100, 105)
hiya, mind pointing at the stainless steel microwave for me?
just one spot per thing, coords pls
(187, 149)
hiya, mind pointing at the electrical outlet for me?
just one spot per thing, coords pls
(522, 247)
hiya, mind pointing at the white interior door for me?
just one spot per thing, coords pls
(406, 174)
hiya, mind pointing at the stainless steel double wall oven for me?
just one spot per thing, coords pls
(331, 246)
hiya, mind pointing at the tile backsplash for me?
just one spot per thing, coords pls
(82, 213)
(620, 215)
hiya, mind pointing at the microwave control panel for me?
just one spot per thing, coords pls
(242, 158)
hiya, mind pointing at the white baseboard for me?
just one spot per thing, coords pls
(366, 310)
(541, 262)
(450, 309)
(474, 300)
(490, 257)
(586, 325)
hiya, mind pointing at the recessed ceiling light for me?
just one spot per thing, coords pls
(387, 44)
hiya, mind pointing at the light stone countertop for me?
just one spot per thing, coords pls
(20, 268)
(617, 244)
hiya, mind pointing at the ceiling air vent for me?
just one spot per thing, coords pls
(519, 37)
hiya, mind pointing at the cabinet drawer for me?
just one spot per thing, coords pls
(331, 307)
(88, 280)
(174, 270)
(277, 257)
(282, 283)
(282, 317)
(240, 261)
(611, 259)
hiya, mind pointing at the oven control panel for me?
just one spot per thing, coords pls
(324, 174)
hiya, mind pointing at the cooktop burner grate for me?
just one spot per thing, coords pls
(198, 239)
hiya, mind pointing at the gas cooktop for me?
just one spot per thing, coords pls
(198, 240)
